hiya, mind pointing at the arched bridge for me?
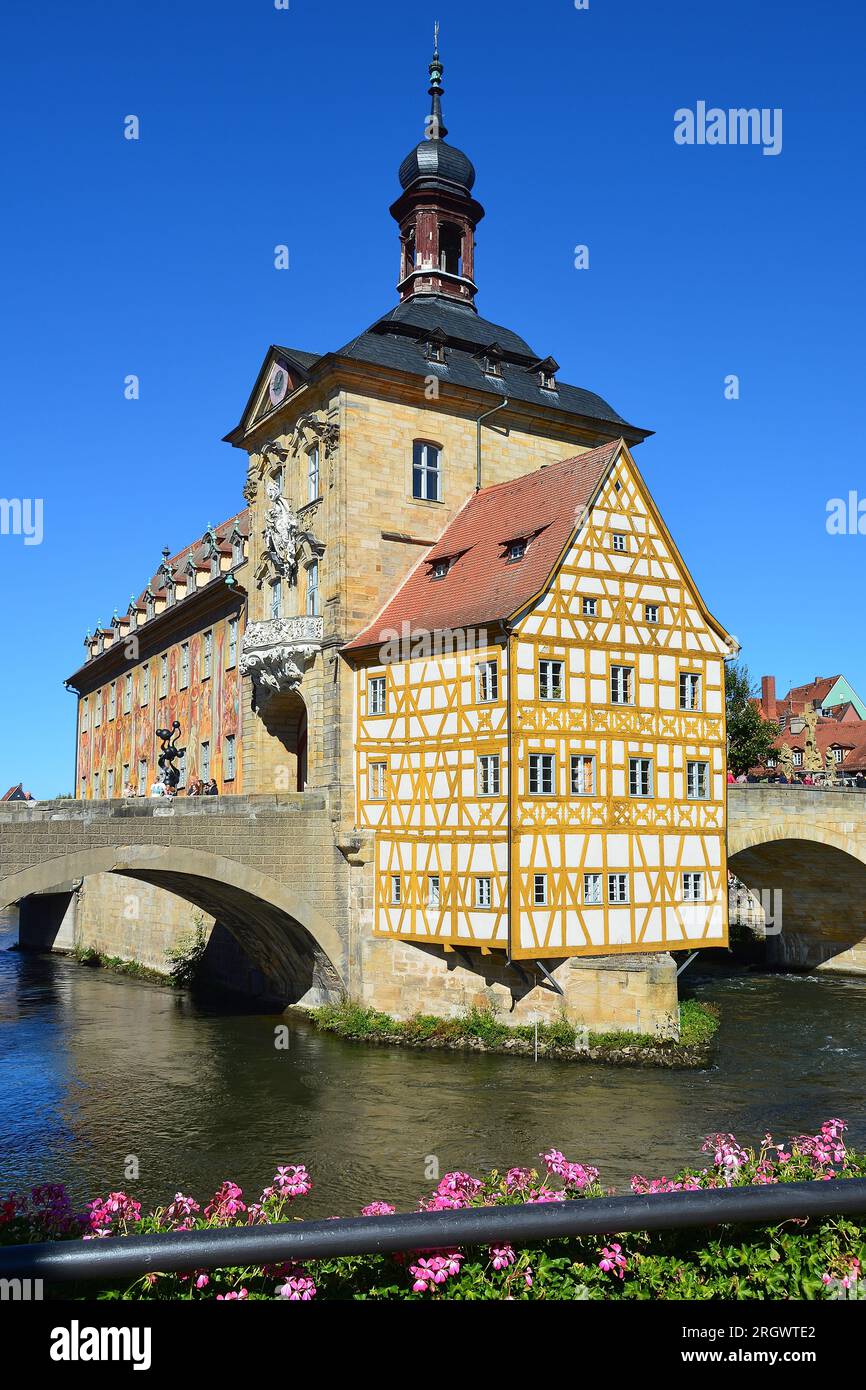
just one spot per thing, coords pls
(808, 845)
(266, 867)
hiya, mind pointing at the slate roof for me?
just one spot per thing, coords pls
(482, 585)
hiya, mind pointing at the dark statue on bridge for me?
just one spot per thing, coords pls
(170, 754)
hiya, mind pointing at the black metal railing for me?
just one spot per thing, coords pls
(128, 1257)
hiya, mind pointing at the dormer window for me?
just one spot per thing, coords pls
(150, 606)
(237, 549)
(545, 371)
(170, 593)
(492, 366)
(439, 569)
(214, 564)
(435, 351)
(490, 358)
(515, 550)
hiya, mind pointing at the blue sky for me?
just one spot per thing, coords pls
(262, 126)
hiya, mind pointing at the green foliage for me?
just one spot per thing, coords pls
(187, 957)
(750, 735)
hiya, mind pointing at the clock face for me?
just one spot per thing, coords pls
(279, 385)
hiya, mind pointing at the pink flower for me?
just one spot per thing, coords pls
(182, 1208)
(297, 1289)
(226, 1202)
(613, 1261)
(228, 1297)
(435, 1270)
(518, 1179)
(574, 1175)
(501, 1256)
(293, 1181)
(378, 1209)
(202, 1281)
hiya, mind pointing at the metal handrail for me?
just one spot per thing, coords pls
(122, 1257)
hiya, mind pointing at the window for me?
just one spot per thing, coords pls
(426, 472)
(483, 896)
(771, 762)
(798, 758)
(617, 888)
(163, 675)
(276, 598)
(313, 473)
(230, 765)
(539, 890)
(690, 690)
(619, 540)
(640, 777)
(693, 888)
(110, 783)
(233, 643)
(127, 694)
(590, 607)
(237, 549)
(486, 681)
(582, 774)
(838, 755)
(184, 666)
(550, 686)
(440, 569)
(376, 773)
(169, 592)
(142, 777)
(621, 683)
(112, 700)
(97, 710)
(214, 564)
(96, 785)
(205, 761)
(651, 612)
(145, 684)
(516, 551)
(125, 774)
(207, 654)
(84, 789)
(697, 781)
(376, 696)
(396, 888)
(433, 895)
(541, 774)
(181, 767)
(488, 775)
(313, 589)
(592, 890)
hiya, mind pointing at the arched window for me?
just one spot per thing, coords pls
(450, 248)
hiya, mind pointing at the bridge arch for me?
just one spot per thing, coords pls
(283, 934)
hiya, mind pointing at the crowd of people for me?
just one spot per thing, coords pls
(197, 787)
(806, 779)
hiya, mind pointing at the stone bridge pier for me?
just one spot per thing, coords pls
(267, 868)
(809, 846)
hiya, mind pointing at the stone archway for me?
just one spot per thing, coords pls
(287, 938)
(284, 716)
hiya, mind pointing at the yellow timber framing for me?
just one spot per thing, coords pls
(433, 822)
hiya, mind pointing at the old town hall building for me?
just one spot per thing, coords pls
(452, 605)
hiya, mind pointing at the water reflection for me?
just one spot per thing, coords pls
(95, 1068)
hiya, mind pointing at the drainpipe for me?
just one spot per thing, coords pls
(501, 406)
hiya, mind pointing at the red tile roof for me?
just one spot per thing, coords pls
(816, 692)
(482, 585)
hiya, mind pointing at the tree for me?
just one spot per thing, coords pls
(750, 735)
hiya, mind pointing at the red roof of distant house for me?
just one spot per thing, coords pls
(481, 584)
(17, 794)
(815, 693)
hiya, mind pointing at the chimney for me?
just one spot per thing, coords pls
(768, 696)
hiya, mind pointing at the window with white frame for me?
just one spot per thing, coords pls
(313, 589)
(798, 758)
(207, 654)
(376, 780)
(693, 888)
(112, 700)
(163, 675)
(589, 607)
(582, 774)
(181, 767)
(433, 893)
(125, 774)
(127, 694)
(550, 680)
(276, 598)
(618, 540)
(516, 550)
(313, 473)
(622, 685)
(651, 612)
(483, 897)
(539, 890)
(145, 683)
(97, 710)
(488, 774)
(142, 777)
(96, 785)
(592, 890)
(690, 690)
(205, 761)
(184, 665)
(440, 568)
(233, 643)
(640, 777)
(617, 888)
(838, 755)
(230, 766)
(110, 786)
(542, 774)
(486, 681)
(426, 472)
(376, 695)
(697, 781)
(396, 889)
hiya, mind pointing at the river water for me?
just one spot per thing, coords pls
(95, 1068)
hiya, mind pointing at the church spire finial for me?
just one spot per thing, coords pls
(436, 128)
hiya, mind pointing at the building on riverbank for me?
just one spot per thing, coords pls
(561, 801)
(822, 723)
